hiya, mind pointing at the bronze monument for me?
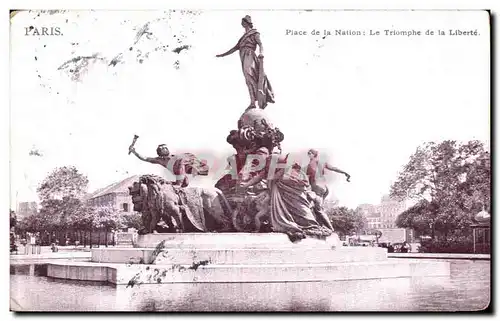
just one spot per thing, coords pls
(265, 191)
(256, 80)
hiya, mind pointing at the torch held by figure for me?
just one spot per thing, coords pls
(133, 144)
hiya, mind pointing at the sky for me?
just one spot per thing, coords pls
(366, 102)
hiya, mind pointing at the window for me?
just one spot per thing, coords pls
(125, 207)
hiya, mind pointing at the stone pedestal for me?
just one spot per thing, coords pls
(239, 257)
(232, 241)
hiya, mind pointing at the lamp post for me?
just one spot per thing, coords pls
(474, 239)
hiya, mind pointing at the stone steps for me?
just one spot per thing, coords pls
(234, 256)
(206, 272)
(240, 258)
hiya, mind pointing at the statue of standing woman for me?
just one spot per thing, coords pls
(258, 85)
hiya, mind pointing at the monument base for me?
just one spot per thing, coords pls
(233, 240)
(239, 257)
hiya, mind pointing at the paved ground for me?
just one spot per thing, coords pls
(56, 255)
(49, 257)
(46, 254)
(455, 256)
(21, 250)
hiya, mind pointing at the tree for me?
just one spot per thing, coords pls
(450, 182)
(345, 221)
(63, 182)
(132, 220)
(420, 217)
(107, 219)
(84, 222)
(13, 219)
(428, 173)
(90, 219)
(475, 188)
(61, 194)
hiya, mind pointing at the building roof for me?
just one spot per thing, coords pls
(366, 206)
(118, 187)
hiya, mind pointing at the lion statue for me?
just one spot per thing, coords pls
(182, 209)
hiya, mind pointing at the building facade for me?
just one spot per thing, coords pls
(372, 215)
(25, 209)
(383, 215)
(115, 195)
(374, 222)
(389, 210)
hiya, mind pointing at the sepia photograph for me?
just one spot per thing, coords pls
(196, 160)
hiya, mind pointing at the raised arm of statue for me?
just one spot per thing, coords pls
(230, 51)
(152, 160)
(335, 169)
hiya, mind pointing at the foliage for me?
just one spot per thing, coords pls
(77, 217)
(132, 220)
(95, 218)
(106, 218)
(23, 226)
(63, 182)
(13, 246)
(346, 221)
(450, 183)
(63, 207)
(61, 194)
(419, 217)
(13, 219)
(464, 246)
(83, 218)
(39, 222)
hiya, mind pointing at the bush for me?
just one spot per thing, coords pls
(447, 247)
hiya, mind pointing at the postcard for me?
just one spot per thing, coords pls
(250, 160)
